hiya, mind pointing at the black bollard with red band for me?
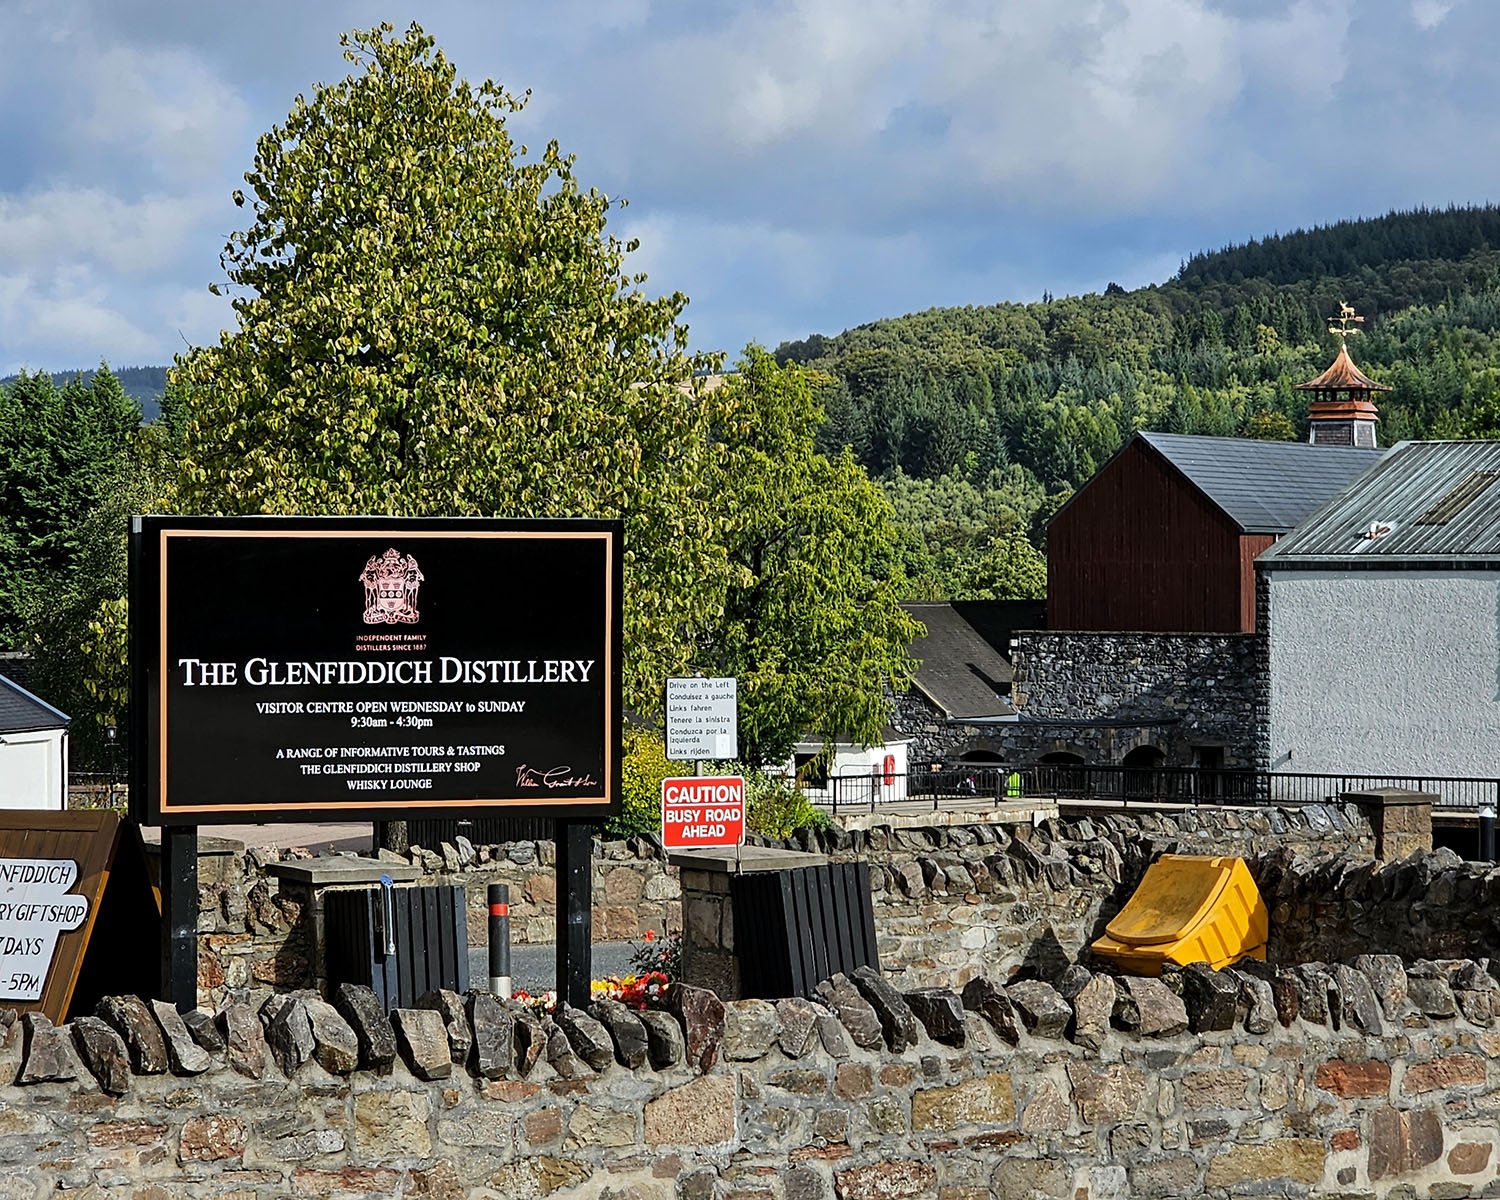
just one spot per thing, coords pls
(499, 898)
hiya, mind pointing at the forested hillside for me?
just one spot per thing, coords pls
(144, 385)
(980, 420)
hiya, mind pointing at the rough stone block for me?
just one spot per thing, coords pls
(1093, 1004)
(244, 1039)
(45, 1055)
(988, 999)
(1297, 1159)
(664, 1040)
(132, 1020)
(184, 1054)
(422, 1038)
(1043, 1012)
(894, 1180)
(700, 1113)
(1351, 1079)
(854, 1012)
(360, 1007)
(589, 1039)
(1403, 1141)
(212, 1138)
(986, 1101)
(392, 1124)
(1106, 1094)
(797, 1021)
(289, 1035)
(1211, 997)
(941, 1013)
(702, 1016)
(103, 1053)
(897, 1022)
(204, 1029)
(750, 1029)
(335, 1045)
(1387, 976)
(631, 1041)
(1158, 1011)
(450, 1006)
(493, 1030)
(1027, 1178)
(1428, 990)
(1456, 1070)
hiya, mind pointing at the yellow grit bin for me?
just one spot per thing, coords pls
(1189, 908)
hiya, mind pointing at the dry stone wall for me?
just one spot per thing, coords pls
(1429, 905)
(1343, 1080)
(949, 901)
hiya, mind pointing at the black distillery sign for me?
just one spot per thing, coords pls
(302, 668)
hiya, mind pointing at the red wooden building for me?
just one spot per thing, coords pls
(1164, 537)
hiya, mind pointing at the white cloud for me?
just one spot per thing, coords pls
(1429, 14)
(91, 226)
(793, 164)
(164, 105)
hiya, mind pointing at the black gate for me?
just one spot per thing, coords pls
(793, 929)
(399, 941)
(430, 833)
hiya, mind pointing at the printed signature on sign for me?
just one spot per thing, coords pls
(555, 777)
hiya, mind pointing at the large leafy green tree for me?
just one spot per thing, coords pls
(431, 320)
(811, 625)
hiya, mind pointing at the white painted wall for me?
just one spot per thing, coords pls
(1385, 672)
(859, 765)
(34, 769)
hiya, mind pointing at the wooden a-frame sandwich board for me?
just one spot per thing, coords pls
(116, 949)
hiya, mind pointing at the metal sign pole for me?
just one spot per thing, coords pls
(575, 912)
(179, 916)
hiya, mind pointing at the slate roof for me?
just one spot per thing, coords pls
(21, 712)
(960, 672)
(1431, 505)
(1263, 487)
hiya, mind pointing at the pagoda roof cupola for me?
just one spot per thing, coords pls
(1342, 413)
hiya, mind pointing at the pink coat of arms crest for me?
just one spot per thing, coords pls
(391, 581)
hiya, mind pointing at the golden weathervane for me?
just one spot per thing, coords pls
(1344, 323)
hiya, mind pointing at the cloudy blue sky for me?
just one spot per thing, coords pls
(793, 166)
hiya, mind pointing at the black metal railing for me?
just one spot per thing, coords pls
(953, 784)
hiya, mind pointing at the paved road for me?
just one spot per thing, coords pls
(534, 968)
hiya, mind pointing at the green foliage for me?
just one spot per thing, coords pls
(1009, 568)
(951, 527)
(1054, 388)
(432, 322)
(774, 807)
(1268, 425)
(75, 622)
(644, 767)
(59, 451)
(811, 625)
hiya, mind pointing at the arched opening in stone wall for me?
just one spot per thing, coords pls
(1142, 779)
(989, 757)
(1060, 773)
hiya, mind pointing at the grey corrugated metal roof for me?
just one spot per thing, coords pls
(960, 672)
(21, 712)
(1410, 482)
(1264, 487)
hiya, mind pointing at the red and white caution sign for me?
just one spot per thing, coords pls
(702, 812)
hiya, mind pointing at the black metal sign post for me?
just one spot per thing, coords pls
(179, 916)
(575, 912)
